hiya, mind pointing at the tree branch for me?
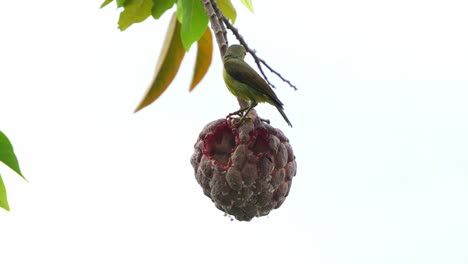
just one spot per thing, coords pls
(258, 60)
(220, 16)
(221, 39)
(216, 26)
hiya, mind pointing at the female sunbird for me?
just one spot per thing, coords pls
(246, 84)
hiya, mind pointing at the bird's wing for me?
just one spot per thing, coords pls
(237, 69)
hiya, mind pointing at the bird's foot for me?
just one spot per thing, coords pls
(236, 122)
(239, 113)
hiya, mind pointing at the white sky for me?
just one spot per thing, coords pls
(380, 125)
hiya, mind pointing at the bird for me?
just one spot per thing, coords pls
(246, 84)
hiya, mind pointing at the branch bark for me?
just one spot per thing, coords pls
(216, 26)
(216, 19)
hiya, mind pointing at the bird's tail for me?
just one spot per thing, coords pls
(280, 109)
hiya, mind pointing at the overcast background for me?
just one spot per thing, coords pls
(380, 135)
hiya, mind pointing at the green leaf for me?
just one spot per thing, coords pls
(160, 7)
(194, 22)
(179, 11)
(204, 56)
(120, 3)
(7, 155)
(3, 196)
(227, 9)
(106, 2)
(248, 4)
(168, 65)
(135, 11)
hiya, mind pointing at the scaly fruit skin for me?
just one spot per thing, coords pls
(247, 171)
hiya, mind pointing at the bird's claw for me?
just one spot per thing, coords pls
(239, 113)
(238, 121)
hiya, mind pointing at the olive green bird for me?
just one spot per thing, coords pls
(246, 84)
